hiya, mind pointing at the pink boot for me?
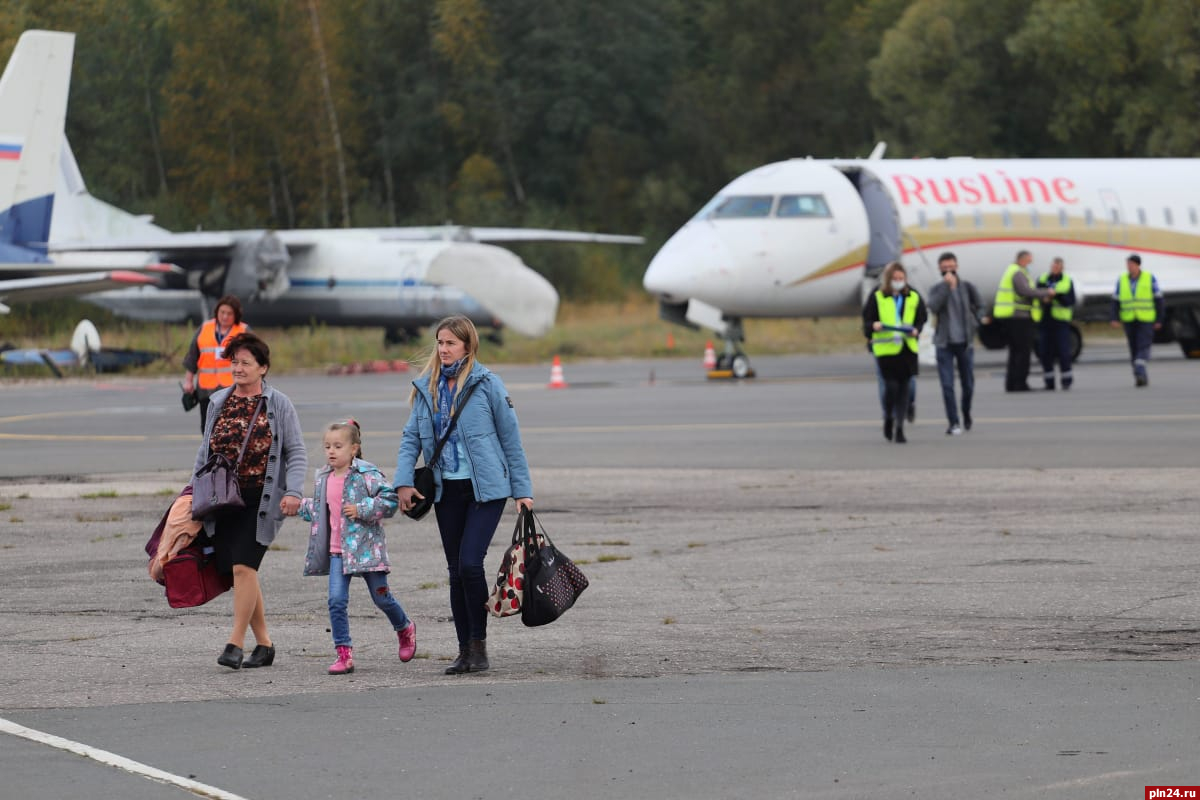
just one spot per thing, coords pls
(345, 661)
(408, 641)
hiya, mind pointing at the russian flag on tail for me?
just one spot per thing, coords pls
(10, 149)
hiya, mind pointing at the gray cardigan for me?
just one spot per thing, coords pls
(287, 451)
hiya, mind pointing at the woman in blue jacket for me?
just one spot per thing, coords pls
(482, 465)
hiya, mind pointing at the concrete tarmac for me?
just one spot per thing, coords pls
(782, 604)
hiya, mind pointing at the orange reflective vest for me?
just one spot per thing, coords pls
(212, 371)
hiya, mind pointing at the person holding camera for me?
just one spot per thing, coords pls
(959, 314)
(481, 465)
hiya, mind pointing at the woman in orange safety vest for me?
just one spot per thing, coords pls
(206, 368)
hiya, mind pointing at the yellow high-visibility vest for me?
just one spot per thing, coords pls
(1007, 300)
(1139, 306)
(890, 343)
(1057, 310)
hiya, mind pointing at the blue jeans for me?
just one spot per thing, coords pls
(339, 600)
(467, 528)
(883, 405)
(963, 355)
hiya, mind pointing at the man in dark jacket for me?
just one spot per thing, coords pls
(1014, 300)
(959, 314)
(1053, 318)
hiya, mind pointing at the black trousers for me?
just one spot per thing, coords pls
(1020, 332)
(1054, 347)
(1140, 336)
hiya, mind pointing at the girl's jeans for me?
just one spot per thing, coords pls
(467, 528)
(339, 600)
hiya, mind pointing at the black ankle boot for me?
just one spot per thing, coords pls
(263, 656)
(477, 660)
(460, 664)
(231, 657)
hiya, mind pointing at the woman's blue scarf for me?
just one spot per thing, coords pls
(441, 418)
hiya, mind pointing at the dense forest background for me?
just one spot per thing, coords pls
(620, 116)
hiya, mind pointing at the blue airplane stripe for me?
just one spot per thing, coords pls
(324, 282)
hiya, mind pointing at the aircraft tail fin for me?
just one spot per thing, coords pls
(33, 112)
(79, 217)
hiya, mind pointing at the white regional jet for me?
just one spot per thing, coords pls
(400, 279)
(808, 238)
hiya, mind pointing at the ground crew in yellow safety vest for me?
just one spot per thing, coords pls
(1053, 318)
(206, 368)
(893, 317)
(1013, 312)
(1138, 305)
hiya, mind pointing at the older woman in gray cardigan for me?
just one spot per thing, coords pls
(271, 481)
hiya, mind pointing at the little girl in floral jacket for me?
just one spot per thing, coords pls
(350, 500)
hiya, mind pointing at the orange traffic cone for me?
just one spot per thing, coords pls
(556, 376)
(710, 356)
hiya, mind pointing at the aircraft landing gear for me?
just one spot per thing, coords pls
(733, 360)
(393, 336)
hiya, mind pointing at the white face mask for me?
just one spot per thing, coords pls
(897, 285)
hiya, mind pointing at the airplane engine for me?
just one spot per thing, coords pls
(258, 268)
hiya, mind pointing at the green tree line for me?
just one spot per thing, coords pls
(621, 116)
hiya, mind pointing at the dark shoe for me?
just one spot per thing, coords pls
(1018, 389)
(887, 429)
(900, 436)
(912, 412)
(477, 660)
(460, 664)
(967, 420)
(231, 657)
(1050, 385)
(954, 430)
(1141, 380)
(263, 656)
(1066, 384)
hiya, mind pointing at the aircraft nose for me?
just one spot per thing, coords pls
(686, 263)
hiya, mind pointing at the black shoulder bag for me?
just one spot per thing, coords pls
(423, 476)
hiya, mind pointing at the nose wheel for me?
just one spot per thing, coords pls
(737, 365)
(732, 363)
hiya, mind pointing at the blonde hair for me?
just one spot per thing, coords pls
(355, 433)
(885, 282)
(464, 330)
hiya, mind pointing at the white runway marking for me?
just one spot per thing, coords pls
(114, 760)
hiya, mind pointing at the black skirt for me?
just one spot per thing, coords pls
(234, 539)
(899, 367)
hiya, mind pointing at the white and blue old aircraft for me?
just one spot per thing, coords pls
(808, 238)
(33, 108)
(400, 279)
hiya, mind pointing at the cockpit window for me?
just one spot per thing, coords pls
(742, 206)
(802, 205)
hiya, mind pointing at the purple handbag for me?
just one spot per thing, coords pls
(215, 488)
